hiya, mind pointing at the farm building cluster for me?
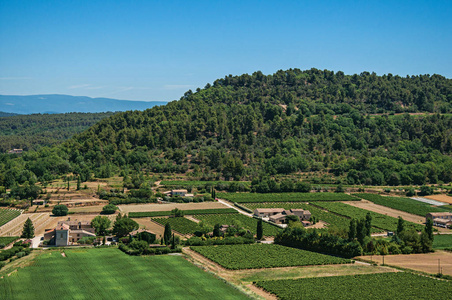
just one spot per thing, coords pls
(441, 219)
(69, 232)
(279, 215)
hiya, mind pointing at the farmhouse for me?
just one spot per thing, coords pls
(439, 215)
(69, 232)
(15, 151)
(180, 193)
(267, 212)
(278, 215)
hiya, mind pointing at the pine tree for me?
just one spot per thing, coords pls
(29, 230)
(260, 229)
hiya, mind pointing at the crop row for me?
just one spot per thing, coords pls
(284, 197)
(255, 256)
(378, 220)
(400, 285)
(145, 214)
(404, 204)
(5, 240)
(328, 217)
(238, 220)
(179, 224)
(7, 215)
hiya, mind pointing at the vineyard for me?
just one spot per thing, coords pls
(179, 224)
(145, 214)
(7, 215)
(110, 274)
(240, 221)
(400, 285)
(256, 256)
(442, 241)
(284, 197)
(5, 240)
(404, 204)
(330, 218)
(378, 220)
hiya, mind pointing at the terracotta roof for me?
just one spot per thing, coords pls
(268, 210)
(440, 214)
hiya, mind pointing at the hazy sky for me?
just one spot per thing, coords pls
(157, 50)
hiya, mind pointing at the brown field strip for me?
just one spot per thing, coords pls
(368, 205)
(441, 198)
(168, 206)
(420, 262)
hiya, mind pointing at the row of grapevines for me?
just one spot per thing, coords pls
(378, 220)
(284, 197)
(404, 204)
(240, 221)
(400, 285)
(255, 256)
(179, 224)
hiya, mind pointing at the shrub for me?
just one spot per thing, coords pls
(109, 209)
(60, 210)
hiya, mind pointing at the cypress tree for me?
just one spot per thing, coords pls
(260, 229)
(368, 223)
(216, 230)
(352, 230)
(429, 229)
(78, 183)
(29, 230)
(400, 225)
(167, 234)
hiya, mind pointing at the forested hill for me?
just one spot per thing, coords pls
(31, 132)
(291, 122)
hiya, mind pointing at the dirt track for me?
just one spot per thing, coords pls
(441, 198)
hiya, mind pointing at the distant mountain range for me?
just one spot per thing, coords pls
(64, 103)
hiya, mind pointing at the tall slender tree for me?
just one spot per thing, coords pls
(429, 228)
(352, 230)
(400, 225)
(260, 230)
(167, 234)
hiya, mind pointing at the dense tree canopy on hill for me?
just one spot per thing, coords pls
(255, 126)
(31, 132)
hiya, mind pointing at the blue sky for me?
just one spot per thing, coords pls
(157, 50)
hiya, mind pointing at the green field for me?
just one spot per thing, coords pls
(378, 220)
(400, 285)
(179, 224)
(404, 204)
(239, 220)
(442, 241)
(145, 214)
(256, 256)
(284, 197)
(7, 214)
(110, 274)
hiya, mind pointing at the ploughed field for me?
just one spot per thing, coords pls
(255, 256)
(398, 285)
(111, 274)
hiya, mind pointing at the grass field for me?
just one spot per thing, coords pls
(400, 285)
(257, 256)
(144, 214)
(378, 220)
(239, 220)
(7, 215)
(400, 203)
(442, 241)
(284, 197)
(110, 274)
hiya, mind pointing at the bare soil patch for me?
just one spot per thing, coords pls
(441, 198)
(168, 206)
(368, 205)
(420, 262)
